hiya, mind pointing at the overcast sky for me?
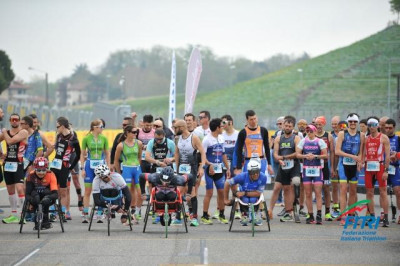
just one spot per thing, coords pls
(57, 35)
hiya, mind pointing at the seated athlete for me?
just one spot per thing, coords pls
(41, 188)
(251, 186)
(111, 185)
(166, 184)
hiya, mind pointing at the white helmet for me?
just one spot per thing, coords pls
(102, 170)
(253, 166)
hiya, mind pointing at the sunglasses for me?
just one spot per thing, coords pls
(373, 125)
(157, 126)
(39, 170)
(58, 127)
(124, 125)
(201, 117)
(352, 122)
(14, 120)
(278, 124)
(309, 131)
(134, 131)
(101, 126)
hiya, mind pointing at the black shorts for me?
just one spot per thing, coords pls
(285, 176)
(62, 176)
(325, 171)
(17, 177)
(146, 167)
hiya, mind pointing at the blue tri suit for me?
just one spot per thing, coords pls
(246, 184)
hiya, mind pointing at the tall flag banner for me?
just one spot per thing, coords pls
(192, 79)
(172, 92)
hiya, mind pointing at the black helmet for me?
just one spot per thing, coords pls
(167, 174)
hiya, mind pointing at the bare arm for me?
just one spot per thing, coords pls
(118, 152)
(22, 135)
(199, 147)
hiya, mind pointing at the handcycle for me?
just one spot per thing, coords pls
(165, 209)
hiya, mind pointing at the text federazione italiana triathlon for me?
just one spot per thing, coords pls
(361, 236)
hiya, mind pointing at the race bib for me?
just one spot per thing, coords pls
(26, 163)
(217, 168)
(95, 163)
(348, 161)
(392, 170)
(11, 167)
(56, 164)
(312, 171)
(159, 169)
(373, 166)
(185, 169)
(288, 164)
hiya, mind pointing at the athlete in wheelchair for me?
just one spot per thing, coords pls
(110, 190)
(248, 191)
(41, 192)
(165, 193)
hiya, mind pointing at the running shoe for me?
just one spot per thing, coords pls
(11, 220)
(258, 222)
(53, 217)
(310, 220)
(237, 215)
(155, 219)
(302, 213)
(68, 216)
(176, 222)
(382, 217)
(85, 219)
(335, 213)
(319, 219)
(385, 223)
(287, 218)
(216, 215)
(244, 221)
(29, 217)
(328, 217)
(46, 226)
(194, 222)
(282, 213)
(101, 218)
(206, 220)
(222, 219)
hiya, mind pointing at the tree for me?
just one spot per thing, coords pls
(6, 73)
(395, 8)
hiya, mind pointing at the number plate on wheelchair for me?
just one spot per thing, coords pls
(56, 164)
(312, 171)
(185, 169)
(95, 163)
(11, 167)
(373, 166)
(217, 168)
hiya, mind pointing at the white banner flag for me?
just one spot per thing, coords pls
(172, 92)
(192, 79)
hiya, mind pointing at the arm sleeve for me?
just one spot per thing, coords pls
(53, 195)
(97, 200)
(114, 148)
(29, 188)
(128, 198)
(78, 154)
(240, 144)
(142, 182)
(265, 136)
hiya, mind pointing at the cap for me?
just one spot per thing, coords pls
(312, 128)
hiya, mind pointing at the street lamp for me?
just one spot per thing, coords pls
(46, 80)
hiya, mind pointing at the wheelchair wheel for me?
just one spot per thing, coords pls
(60, 214)
(39, 219)
(166, 220)
(266, 215)
(23, 213)
(253, 217)
(232, 215)
(184, 216)
(130, 219)
(146, 216)
(91, 216)
(108, 217)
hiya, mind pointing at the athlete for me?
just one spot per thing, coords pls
(94, 152)
(312, 149)
(377, 161)
(334, 168)
(186, 151)
(146, 133)
(127, 121)
(160, 151)
(16, 140)
(349, 148)
(34, 147)
(204, 128)
(251, 186)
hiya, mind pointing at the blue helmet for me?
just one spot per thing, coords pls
(167, 174)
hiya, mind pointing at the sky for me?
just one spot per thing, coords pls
(56, 35)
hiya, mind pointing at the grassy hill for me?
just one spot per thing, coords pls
(352, 78)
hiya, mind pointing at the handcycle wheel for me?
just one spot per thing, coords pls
(146, 216)
(91, 216)
(184, 216)
(108, 217)
(166, 219)
(39, 219)
(59, 210)
(23, 213)
(252, 218)
(267, 216)
(232, 215)
(130, 219)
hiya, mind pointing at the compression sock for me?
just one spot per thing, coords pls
(194, 206)
(13, 203)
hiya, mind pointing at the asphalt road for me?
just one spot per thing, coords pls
(287, 243)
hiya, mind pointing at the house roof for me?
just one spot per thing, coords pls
(16, 85)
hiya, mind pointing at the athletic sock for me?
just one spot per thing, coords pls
(13, 203)
(205, 214)
(194, 206)
(221, 212)
(327, 210)
(319, 212)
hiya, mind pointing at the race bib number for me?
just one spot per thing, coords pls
(95, 163)
(159, 169)
(185, 169)
(348, 161)
(217, 168)
(312, 171)
(56, 164)
(392, 170)
(143, 155)
(373, 166)
(11, 167)
(255, 155)
(288, 164)
(26, 163)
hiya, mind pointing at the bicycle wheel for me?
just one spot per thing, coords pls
(23, 213)
(166, 219)
(267, 216)
(231, 217)
(253, 217)
(39, 218)
(146, 216)
(91, 216)
(184, 216)
(130, 219)
(108, 217)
